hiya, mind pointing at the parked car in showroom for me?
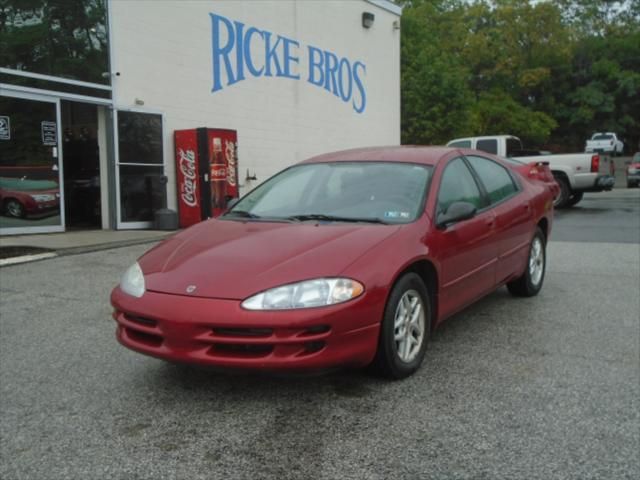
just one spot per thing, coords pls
(347, 259)
(633, 171)
(21, 197)
(604, 143)
(576, 173)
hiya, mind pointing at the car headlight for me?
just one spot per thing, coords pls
(133, 281)
(46, 197)
(311, 293)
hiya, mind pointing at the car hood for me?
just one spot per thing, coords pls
(236, 259)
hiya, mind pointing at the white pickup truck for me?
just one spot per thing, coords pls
(604, 143)
(576, 173)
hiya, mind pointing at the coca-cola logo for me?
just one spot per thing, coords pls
(230, 148)
(187, 163)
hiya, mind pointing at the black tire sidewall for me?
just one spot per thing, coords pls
(387, 348)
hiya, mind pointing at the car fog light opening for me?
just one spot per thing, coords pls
(308, 294)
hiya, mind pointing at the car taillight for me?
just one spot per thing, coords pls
(595, 163)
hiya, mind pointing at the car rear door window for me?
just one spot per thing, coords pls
(458, 185)
(488, 145)
(495, 178)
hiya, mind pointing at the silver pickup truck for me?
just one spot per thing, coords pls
(576, 173)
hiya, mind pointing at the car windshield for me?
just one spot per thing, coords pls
(602, 137)
(368, 192)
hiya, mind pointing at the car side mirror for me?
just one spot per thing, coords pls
(457, 212)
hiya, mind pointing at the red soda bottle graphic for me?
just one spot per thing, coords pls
(218, 178)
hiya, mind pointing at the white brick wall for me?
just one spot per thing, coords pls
(163, 51)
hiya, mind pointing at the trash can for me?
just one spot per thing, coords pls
(165, 219)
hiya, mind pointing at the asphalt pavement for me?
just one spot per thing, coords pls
(539, 388)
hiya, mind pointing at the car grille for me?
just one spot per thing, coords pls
(223, 341)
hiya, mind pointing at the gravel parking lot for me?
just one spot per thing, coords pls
(546, 387)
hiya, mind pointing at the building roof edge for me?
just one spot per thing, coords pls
(387, 5)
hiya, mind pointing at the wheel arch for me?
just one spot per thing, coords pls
(428, 272)
(564, 173)
(7, 199)
(543, 223)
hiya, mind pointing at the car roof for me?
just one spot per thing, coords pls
(485, 137)
(405, 153)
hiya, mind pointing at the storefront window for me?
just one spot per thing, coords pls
(141, 166)
(63, 38)
(29, 166)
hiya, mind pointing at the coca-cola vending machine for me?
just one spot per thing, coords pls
(206, 172)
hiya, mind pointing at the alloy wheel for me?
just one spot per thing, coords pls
(409, 326)
(536, 261)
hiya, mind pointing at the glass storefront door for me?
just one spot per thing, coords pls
(141, 182)
(30, 173)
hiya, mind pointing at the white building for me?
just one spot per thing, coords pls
(87, 135)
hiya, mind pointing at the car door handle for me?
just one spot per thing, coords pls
(491, 222)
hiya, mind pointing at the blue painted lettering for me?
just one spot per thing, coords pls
(345, 67)
(316, 62)
(289, 58)
(239, 51)
(330, 71)
(232, 44)
(270, 55)
(360, 87)
(247, 52)
(221, 51)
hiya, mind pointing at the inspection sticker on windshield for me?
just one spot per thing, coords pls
(397, 214)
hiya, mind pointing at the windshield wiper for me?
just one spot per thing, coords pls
(241, 213)
(334, 218)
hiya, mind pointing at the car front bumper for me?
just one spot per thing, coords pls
(633, 178)
(220, 333)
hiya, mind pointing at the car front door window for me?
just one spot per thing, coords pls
(458, 185)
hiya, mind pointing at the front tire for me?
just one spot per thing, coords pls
(530, 283)
(13, 208)
(405, 329)
(565, 192)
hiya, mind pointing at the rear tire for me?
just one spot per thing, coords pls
(575, 199)
(530, 283)
(405, 329)
(565, 192)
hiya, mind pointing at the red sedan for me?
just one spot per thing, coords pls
(345, 259)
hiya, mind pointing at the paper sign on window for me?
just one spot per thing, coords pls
(49, 133)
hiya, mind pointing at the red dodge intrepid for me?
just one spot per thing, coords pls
(346, 259)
